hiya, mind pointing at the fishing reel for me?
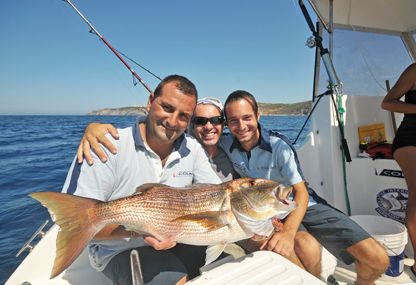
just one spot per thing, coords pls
(311, 42)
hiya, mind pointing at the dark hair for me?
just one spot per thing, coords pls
(182, 83)
(241, 95)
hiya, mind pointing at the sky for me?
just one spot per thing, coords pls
(50, 64)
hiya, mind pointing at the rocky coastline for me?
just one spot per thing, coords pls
(301, 108)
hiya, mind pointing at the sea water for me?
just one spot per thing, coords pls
(35, 155)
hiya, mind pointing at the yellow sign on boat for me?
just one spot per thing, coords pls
(374, 133)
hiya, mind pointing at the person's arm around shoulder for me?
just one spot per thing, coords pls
(391, 101)
(94, 135)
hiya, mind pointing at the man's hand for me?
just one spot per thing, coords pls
(277, 224)
(280, 242)
(160, 245)
(94, 135)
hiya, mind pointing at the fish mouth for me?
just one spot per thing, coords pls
(283, 195)
(284, 201)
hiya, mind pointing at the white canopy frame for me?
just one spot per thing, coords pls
(390, 17)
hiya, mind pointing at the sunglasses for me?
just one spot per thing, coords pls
(202, 121)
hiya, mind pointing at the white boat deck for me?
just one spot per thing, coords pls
(262, 267)
(259, 268)
(345, 274)
(37, 267)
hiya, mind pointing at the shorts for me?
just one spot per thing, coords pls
(333, 229)
(158, 266)
(406, 135)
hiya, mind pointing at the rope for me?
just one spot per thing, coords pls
(139, 65)
(367, 64)
(310, 114)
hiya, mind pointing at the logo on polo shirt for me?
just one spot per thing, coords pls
(183, 173)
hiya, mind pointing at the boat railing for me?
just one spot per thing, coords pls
(27, 245)
(136, 270)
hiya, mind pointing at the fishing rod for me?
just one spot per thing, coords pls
(93, 30)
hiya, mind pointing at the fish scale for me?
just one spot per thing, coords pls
(131, 211)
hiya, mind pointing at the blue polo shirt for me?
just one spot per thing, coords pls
(135, 164)
(272, 158)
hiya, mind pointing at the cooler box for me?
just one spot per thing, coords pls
(260, 267)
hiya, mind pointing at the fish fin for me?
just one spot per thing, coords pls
(203, 185)
(210, 220)
(137, 231)
(234, 250)
(147, 186)
(77, 226)
(213, 252)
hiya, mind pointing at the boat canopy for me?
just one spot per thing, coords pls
(371, 42)
(396, 16)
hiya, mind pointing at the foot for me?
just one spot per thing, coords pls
(413, 269)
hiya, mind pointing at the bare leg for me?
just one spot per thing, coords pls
(253, 245)
(295, 259)
(371, 260)
(308, 249)
(406, 157)
(183, 280)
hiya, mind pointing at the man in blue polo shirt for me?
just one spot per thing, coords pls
(154, 150)
(207, 127)
(257, 152)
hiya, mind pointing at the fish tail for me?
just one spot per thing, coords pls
(77, 222)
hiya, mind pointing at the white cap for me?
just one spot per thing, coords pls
(212, 101)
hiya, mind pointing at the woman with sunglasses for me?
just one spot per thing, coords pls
(206, 126)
